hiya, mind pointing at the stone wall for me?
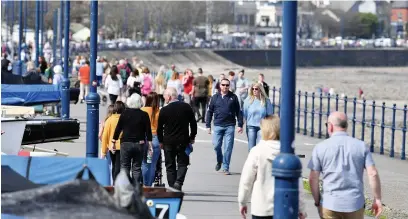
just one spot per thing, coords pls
(319, 57)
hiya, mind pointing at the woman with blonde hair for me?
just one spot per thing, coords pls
(107, 136)
(256, 177)
(160, 82)
(256, 107)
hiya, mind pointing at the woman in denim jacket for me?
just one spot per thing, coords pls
(256, 107)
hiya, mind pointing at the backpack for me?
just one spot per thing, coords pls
(147, 84)
(123, 75)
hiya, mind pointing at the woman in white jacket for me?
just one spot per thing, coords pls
(113, 84)
(256, 176)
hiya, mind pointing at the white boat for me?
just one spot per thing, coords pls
(12, 135)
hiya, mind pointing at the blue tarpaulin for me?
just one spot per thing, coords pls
(28, 95)
(52, 170)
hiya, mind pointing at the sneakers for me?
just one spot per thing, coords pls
(226, 172)
(218, 167)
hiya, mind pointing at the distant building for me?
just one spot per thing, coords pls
(399, 17)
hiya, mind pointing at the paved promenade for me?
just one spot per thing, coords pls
(213, 195)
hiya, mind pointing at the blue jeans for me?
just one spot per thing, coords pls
(149, 169)
(226, 135)
(254, 136)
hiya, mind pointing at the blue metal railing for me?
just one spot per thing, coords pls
(385, 133)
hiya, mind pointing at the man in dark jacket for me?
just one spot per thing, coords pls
(173, 131)
(225, 108)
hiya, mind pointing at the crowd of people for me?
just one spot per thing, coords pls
(162, 112)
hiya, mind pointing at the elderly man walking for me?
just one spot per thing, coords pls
(342, 159)
(177, 128)
(225, 108)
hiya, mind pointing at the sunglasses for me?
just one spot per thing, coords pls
(225, 85)
(255, 88)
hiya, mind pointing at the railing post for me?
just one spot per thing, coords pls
(320, 115)
(313, 115)
(345, 105)
(273, 99)
(305, 111)
(382, 128)
(372, 127)
(394, 110)
(404, 132)
(287, 168)
(337, 102)
(353, 133)
(280, 100)
(328, 114)
(298, 112)
(20, 39)
(363, 122)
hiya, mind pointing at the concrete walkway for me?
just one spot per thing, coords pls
(213, 195)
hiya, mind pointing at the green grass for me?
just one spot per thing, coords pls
(306, 186)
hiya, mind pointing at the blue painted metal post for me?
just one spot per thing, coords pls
(66, 82)
(6, 12)
(280, 100)
(372, 127)
(394, 110)
(320, 115)
(287, 167)
(273, 99)
(305, 114)
(37, 31)
(26, 20)
(92, 100)
(404, 133)
(55, 36)
(353, 131)
(20, 40)
(41, 36)
(298, 113)
(313, 115)
(61, 23)
(363, 122)
(328, 114)
(12, 19)
(382, 128)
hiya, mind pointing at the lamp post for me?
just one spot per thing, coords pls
(66, 83)
(61, 24)
(55, 36)
(92, 100)
(25, 20)
(37, 31)
(20, 39)
(287, 167)
(41, 27)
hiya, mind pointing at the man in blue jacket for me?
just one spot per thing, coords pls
(225, 107)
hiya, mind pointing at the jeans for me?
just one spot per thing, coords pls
(253, 135)
(131, 156)
(99, 80)
(176, 173)
(149, 169)
(115, 164)
(226, 135)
